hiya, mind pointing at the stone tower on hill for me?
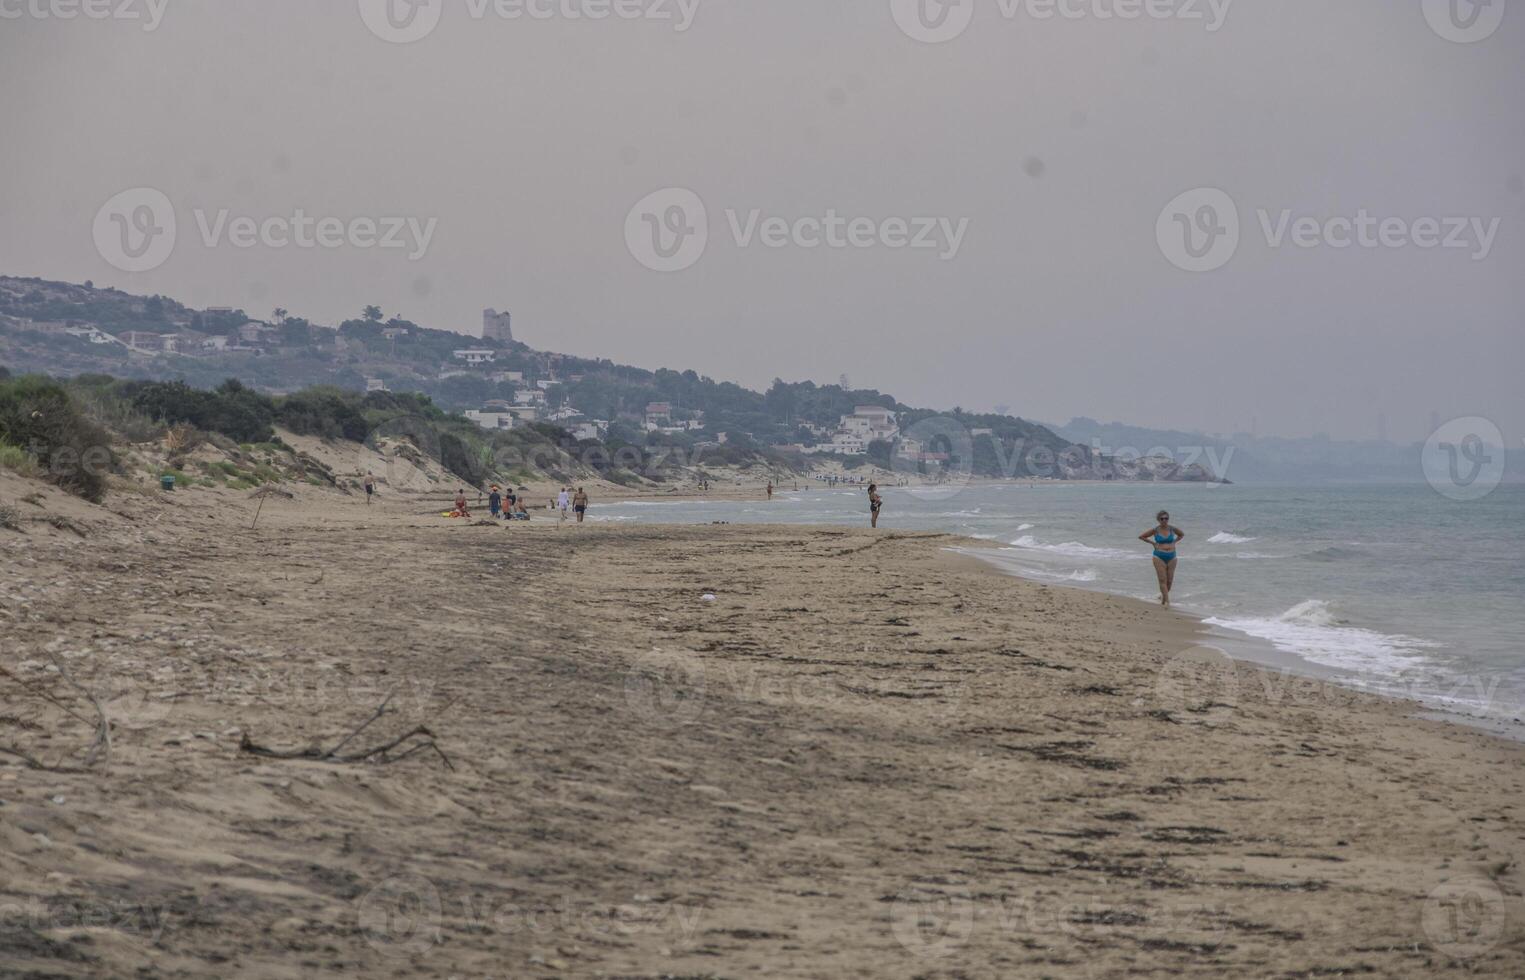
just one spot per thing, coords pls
(497, 326)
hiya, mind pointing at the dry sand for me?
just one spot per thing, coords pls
(864, 757)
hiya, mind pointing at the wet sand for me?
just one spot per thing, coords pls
(865, 756)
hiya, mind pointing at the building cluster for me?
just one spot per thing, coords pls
(660, 418)
(525, 401)
(251, 337)
(853, 434)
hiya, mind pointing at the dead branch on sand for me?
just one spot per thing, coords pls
(100, 746)
(103, 724)
(380, 753)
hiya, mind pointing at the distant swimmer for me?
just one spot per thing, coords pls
(874, 503)
(1164, 538)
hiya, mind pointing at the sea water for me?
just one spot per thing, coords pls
(1391, 588)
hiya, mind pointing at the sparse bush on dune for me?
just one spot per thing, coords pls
(331, 413)
(241, 421)
(239, 413)
(38, 416)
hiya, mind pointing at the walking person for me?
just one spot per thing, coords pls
(495, 501)
(580, 503)
(370, 486)
(1164, 537)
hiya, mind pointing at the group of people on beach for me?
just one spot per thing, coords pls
(507, 504)
(1163, 538)
(567, 499)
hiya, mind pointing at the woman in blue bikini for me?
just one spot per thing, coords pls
(1164, 539)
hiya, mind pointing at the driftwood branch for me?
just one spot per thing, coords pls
(32, 762)
(103, 724)
(46, 695)
(421, 737)
(100, 746)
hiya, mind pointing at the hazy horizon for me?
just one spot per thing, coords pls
(1046, 155)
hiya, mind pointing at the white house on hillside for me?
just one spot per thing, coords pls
(492, 420)
(476, 356)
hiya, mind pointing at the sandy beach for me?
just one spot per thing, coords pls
(639, 751)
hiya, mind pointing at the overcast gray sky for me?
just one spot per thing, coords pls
(528, 141)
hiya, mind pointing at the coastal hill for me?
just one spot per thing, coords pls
(67, 329)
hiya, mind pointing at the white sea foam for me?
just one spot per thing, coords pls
(1224, 537)
(1312, 630)
(1073, 549)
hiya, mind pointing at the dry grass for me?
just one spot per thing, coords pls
(18, 460)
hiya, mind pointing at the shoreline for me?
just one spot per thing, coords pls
(1237, 644)
(1258, 652)
(859, 733)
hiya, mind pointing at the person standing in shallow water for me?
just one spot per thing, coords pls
(1164, 537)
(874, 503)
